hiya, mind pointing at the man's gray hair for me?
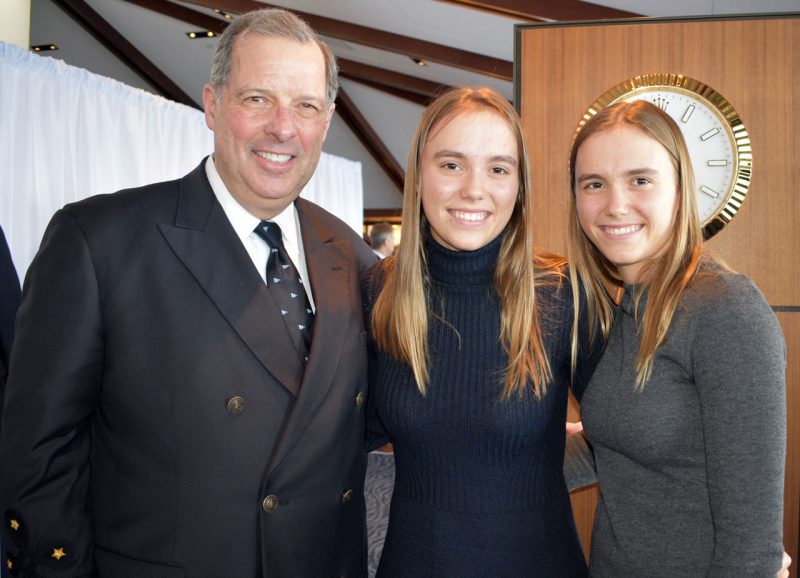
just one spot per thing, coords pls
(275, 23)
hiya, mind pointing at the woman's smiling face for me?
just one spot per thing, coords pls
(469, 179)
(626, 193)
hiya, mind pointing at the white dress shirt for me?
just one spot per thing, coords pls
(244, 223)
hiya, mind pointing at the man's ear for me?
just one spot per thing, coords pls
(328, 121)
(209, 105)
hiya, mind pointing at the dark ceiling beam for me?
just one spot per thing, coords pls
(543, 10)
(429, 51)
(410, 88)
(101, 30)
(350, 114)
(344, 105)
(398, 92)
(387, 79)
(184, 14)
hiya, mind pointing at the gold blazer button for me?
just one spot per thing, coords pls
(360, 399)
(236, 405)
(270, 503)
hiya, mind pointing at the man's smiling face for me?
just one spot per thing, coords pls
(269, 121)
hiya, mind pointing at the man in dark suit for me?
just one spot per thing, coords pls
(9, 302)
(161, 419)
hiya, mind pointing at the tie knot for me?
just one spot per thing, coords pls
(271, 233)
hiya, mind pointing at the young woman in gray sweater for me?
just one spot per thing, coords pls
(686, 410)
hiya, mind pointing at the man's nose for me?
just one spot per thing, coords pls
(282, 125)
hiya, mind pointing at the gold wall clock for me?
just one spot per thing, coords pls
(715, 136)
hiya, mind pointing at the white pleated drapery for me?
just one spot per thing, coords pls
(66, 134)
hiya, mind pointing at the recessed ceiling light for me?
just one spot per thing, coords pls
(225, 15)
(419, 61)
(201, 34)
(44, 47)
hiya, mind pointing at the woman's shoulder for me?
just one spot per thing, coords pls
(553, 293)
(714, 286)
(551, 275)
(724, 304)
(546, 263)
(374, 278)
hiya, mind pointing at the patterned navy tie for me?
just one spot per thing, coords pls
(286, 287)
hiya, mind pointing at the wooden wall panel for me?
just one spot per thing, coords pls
(790, 322)
(755, 64)
(560, 69)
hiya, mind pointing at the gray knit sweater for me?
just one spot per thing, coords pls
(691, 468)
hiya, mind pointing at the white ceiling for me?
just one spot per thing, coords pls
(163, 41)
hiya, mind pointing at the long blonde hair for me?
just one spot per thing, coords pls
(400, 315)
(666, 276)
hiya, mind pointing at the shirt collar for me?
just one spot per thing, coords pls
(241, 219)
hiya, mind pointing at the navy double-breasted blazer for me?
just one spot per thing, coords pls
(149, 428)
(9, 301)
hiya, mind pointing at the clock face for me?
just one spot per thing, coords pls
(715, 137)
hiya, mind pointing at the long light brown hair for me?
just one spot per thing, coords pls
(666, 276)
(400, 315)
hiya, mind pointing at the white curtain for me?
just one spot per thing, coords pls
(66, 134)
(337, 186)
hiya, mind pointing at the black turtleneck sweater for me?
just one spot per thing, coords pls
(479, 487)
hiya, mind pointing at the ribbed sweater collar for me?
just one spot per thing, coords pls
(464, 268)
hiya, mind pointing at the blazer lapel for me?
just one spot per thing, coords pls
(329, 269)
(204, 240)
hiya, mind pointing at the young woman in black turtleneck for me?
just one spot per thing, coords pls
(470, 359)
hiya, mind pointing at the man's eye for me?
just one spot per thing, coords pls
(307, 109)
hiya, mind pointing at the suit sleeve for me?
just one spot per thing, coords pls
(739, 364)
(52, 394)
(9, 302)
